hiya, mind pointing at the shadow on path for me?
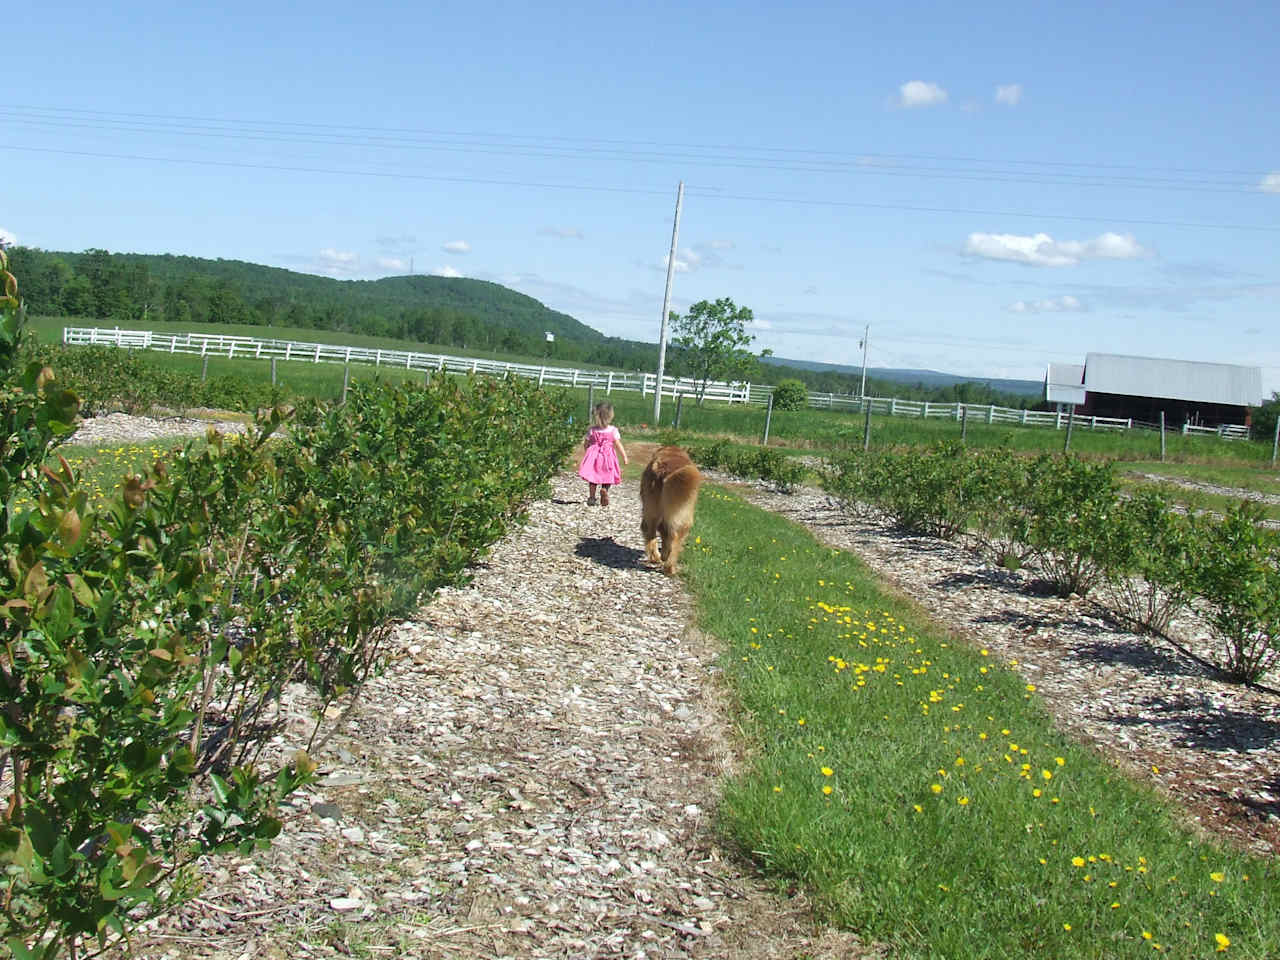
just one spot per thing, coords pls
(610, 553)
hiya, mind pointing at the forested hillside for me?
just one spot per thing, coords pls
(132, 289)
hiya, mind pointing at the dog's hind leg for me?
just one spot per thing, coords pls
(672, 544)
(649, 530)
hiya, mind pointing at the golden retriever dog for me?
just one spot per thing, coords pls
(668, 494)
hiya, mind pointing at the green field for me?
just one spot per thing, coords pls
(811, 430)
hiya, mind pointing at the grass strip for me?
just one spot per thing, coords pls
(918, 788)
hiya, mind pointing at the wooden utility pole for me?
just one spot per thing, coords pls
(1071, 415)
(866, 336)
(666, 307)
(768, 418)
(1162, 436)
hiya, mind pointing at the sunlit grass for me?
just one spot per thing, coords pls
(917, 786)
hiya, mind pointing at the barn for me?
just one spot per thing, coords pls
(1141, 388)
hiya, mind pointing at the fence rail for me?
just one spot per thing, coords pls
(221, 345)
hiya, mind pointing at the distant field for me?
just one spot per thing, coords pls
(811, 430)
(49, 330)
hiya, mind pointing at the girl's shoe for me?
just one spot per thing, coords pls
(604, 498)
(591, 501)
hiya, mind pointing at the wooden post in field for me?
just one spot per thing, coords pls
(768, 419)
(1071, 416)
(866, 425)
(1275, 442)
(679, 405)
(1162, 436)
(204, 369)
(591, 401)
(273, 371)
(964, 422)
(426, 377)
(346, 380)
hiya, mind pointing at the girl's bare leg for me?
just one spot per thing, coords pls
(591, 494)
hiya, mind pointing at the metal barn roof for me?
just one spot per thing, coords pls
(1173, 379)
(1064, 383)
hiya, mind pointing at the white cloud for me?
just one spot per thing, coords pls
(392, 263)
(917, 93)
(1063, 304)
(7, 239)
(1270, 183)
(456, 246)
(336, 263)
(722, 245)
(564, 233)
(446, 271)
(1041, 250)
(1009, 94)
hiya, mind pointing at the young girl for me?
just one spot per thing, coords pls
(602, 449)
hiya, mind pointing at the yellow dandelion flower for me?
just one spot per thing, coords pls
(1222, 941)
(827, 789)
(1217, 877)
(1146, 934)
(935, 787)
(963, 801)
(827, 771)
(917, 808)
(1067, 927)
(1077, 861)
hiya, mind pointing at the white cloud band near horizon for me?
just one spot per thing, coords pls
(8, 238)
(447, 271)
(1041, 250)
(919, 93)
(1270, 183)
(456, 247)
(1064, 304)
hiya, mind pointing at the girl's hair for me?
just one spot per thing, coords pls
(602, 415)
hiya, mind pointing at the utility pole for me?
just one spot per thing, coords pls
(866, 335)
(666, 307)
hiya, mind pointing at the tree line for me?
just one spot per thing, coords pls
(139, 290)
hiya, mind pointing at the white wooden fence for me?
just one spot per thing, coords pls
(205, 344)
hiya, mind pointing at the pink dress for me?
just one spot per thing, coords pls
(600, 461)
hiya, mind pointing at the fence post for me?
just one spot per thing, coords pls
(273, 371)
(1162, 436)
(1071, 416)
(204, 369)
(426, 377)
(346, 380)
(591, 400)
(768, 418)
(964, 422)
(991, 413)
(1275, 442)
(679, 405)
(866, 425)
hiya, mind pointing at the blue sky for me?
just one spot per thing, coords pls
(990, 187)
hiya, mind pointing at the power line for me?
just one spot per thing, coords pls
(710, 193)
(717, 148)
(863, 165)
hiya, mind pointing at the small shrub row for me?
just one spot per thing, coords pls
(145, 647)
(107, 380)
(1067, 517)
(753, 463)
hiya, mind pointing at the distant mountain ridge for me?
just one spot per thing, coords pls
(927, 378)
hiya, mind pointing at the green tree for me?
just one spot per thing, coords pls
(712, 340)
